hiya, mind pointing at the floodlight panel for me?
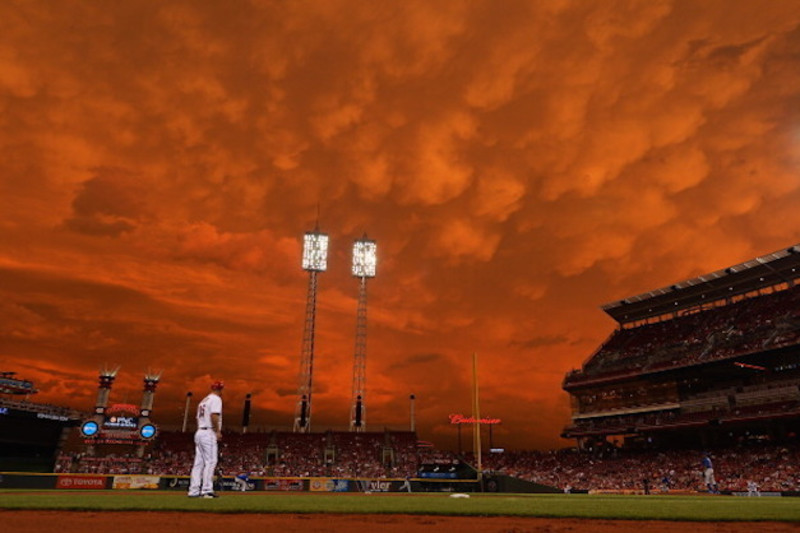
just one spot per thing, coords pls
(365, 259)
(315, 252)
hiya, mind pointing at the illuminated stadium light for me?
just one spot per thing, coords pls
(364, 258)
(364, 263)
(315, 252)
(315, 260)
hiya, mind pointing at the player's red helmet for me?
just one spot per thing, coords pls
(217, 385)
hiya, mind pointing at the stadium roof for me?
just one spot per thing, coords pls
(769, 270)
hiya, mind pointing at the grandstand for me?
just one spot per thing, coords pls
(709, 361)
(31, 433)
(339, 454)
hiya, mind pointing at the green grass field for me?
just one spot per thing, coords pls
(692, 508)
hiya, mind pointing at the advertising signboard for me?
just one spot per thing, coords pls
(75, 481)
(273, 484)
(135, 482)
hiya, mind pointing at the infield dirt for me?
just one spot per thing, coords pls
(158, 522)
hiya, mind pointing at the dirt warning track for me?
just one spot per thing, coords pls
(163, 522)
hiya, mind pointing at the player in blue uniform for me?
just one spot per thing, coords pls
(708, 474)
(242, 481)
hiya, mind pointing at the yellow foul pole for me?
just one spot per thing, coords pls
(476, 414)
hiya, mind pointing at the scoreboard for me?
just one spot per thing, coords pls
(119, 424)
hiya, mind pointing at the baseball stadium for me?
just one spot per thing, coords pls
(701, 375)
(451, 266)
(496, 266)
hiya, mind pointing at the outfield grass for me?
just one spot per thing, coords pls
(693, 508)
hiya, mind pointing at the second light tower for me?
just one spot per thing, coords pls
(364, 266)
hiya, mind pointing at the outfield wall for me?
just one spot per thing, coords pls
(26, 480)
(498, 484)
(504, 483)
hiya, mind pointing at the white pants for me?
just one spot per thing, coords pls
(708, 476)
(205, 461)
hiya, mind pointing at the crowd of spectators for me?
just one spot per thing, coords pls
(770, 466)
(751, 324)
(273, 454)
(644, 422)
(82, 463)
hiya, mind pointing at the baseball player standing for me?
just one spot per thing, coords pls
(206, 439)
(708, 474)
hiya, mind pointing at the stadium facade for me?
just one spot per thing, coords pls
(708, 361)
(31, 434)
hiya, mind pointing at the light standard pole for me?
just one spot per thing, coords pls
(364, 267)
(186, 411)
(413, 399)
(246, 413)
(315, 259)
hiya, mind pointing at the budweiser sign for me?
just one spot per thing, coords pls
(461, 419)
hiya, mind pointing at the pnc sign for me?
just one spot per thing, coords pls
(461, 419)
(121, 422)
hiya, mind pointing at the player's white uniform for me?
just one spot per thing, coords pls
(205, 441)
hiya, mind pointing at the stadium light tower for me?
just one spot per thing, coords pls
(151, 379)
(315, 260)
(105, 380)
(364, 266)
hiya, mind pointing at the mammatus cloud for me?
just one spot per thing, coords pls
(518, 164)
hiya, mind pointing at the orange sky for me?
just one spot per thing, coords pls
(519, 163)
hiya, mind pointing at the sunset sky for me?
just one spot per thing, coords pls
(519, 163)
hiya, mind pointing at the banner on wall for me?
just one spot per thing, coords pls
(174, 482)
(81, 482)
(324, 484)
(135, 482)
(283, 485)
(379, 485)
